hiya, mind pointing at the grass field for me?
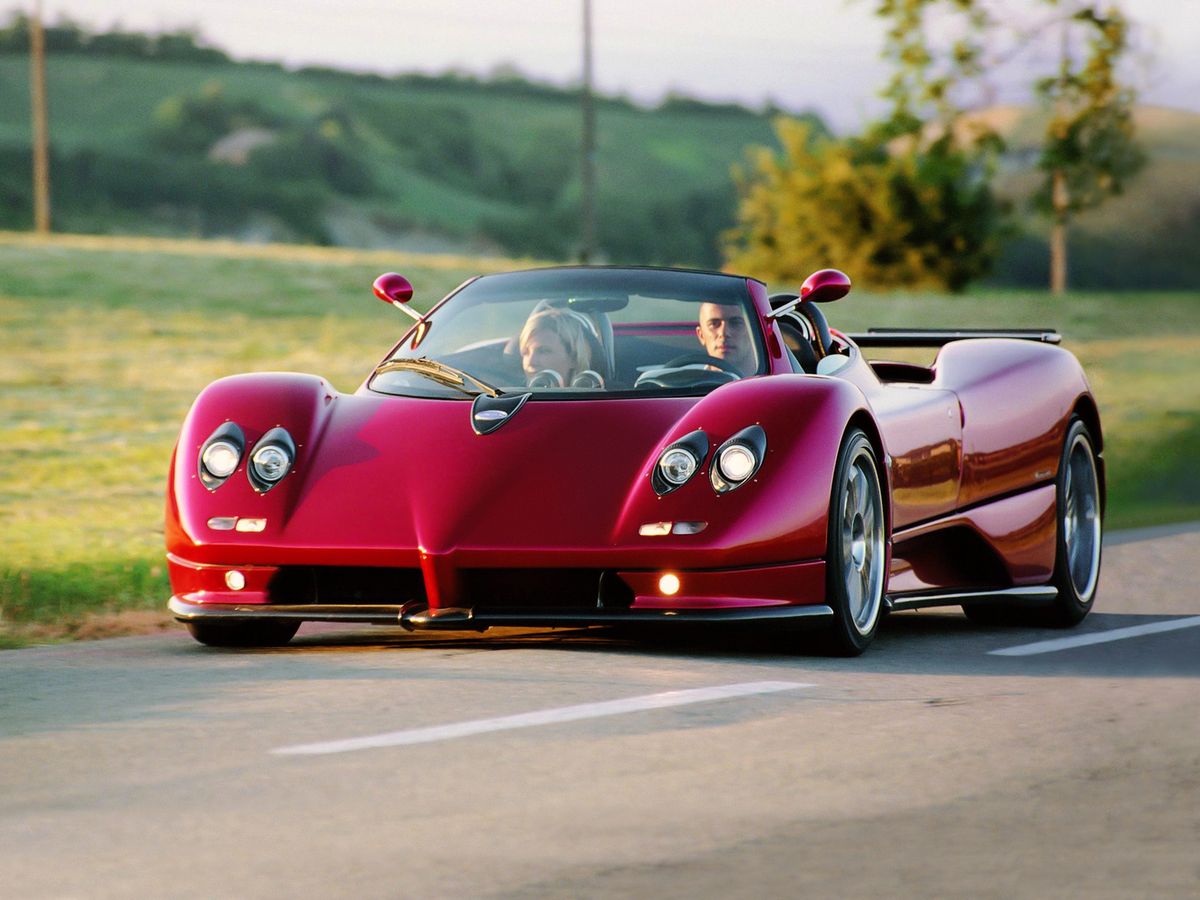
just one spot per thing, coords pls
(105, 343)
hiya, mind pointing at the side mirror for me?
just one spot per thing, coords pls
(825, 285)
(396, 290)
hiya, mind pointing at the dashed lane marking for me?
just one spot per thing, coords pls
(1097, 637)
(543, 717)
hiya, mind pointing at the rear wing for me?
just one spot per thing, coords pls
(939, 337)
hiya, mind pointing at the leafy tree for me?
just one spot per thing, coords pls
(918, 218)
(1089, 151)
(909, 202)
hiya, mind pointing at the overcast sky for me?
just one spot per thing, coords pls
(805, 54)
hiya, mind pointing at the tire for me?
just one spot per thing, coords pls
(857, 548)
(1077, 542)
(243, 634)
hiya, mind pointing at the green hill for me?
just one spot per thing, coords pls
(160, 135)
(254, 151)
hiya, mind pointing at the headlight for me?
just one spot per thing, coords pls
(736, 463)
(270, 463)
(678, 465)
(272, 458)
(221, 458)
(679, 462)
(738, 459)
(220, 455)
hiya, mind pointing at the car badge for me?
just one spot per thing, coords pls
(489, 413)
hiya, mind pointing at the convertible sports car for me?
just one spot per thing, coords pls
(593, 445)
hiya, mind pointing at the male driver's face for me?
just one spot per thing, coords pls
(725, 335)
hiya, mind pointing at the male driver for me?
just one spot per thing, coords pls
(725, 334)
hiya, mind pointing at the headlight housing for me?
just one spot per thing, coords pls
(272, 458)
(738, 459)
(220, 455)
(679, 462)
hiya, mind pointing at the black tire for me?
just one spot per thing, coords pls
(1078, 513)
(243, 634)
(1077, 554)
(856, 558)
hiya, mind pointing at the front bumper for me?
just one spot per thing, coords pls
(486, 597)
(472, 619)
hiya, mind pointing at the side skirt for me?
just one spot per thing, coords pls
(1033, 595)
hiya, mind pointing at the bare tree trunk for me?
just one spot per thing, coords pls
(1058, 235)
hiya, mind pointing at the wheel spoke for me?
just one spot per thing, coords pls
(869, 522)
(854, 592)
(861, 498)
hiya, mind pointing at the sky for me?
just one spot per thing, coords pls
(801, 54)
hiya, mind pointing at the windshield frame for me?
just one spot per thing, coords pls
(669, 284)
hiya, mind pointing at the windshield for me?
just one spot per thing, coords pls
(572, 332)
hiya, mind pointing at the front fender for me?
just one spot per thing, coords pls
(781, 514)
(257, 403)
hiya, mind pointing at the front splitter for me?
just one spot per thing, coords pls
(463, 619)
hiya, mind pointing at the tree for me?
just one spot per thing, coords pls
(890, 217)
(1090, 149)
(909, 202)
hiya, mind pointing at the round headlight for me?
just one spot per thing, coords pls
(736, 463)
(677, 465)
(221, 458)
(270, 463)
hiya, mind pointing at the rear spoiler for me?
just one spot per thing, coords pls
(939, 337)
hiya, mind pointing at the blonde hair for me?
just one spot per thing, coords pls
(571, 327)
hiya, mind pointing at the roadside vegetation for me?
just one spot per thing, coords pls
(163, 135)
(104, 343)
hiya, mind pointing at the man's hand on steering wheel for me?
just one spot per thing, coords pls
(693, 359)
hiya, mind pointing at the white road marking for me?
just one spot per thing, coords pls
(543, 717)
(1099, 637)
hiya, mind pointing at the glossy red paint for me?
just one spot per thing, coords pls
(393, 288)
(825, 285)
(798, 583)
(968, 449)
(1008, 542)
(486, 509)
(1016, 403)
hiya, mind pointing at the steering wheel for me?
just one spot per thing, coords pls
(703, 359)
(685, 371)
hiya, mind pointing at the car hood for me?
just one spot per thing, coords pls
(407, 472)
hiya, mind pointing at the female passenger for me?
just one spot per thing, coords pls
(557, 350)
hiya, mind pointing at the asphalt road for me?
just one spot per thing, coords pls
(536, 764)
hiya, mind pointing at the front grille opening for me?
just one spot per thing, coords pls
(350, 585)
(544, 589)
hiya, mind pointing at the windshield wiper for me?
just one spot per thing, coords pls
(439, 372)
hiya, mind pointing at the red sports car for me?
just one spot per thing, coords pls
(596, 445)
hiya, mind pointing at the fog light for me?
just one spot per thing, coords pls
(668, 585)
(235, 580)
(253, 526)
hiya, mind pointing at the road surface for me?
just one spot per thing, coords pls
(376, 763)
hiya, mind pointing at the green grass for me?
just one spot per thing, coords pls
(103, 351)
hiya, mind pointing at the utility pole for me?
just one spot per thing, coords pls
(588, 154)
(41, 134)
